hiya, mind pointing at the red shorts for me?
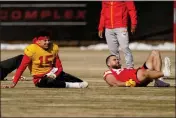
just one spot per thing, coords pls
(143, 67)
(133, 74)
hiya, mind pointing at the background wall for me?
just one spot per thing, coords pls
(175, 21)
(76, 23)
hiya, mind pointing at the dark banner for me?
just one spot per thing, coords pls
(79, 20)
(43, 14)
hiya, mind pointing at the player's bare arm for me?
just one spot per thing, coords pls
(111, 80)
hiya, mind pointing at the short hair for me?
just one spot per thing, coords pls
(107, 59)
(43, 32)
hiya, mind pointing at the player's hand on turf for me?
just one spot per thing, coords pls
(133, 29)
(130, 83)
(100, 34)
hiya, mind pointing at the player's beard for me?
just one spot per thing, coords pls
(116, 66)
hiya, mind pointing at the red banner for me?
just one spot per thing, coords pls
(43, 14)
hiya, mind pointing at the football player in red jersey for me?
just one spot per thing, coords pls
(42, 59)
(151, 70)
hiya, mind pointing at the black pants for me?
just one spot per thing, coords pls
(58, 82)
(9, 65)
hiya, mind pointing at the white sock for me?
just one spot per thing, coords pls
(72, 85)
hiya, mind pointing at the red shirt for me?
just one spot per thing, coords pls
(115, 14)
(123, 74)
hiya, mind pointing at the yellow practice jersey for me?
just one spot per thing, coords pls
(42, 60)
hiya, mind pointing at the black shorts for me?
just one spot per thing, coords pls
(9, 65)
(144, 66)
(58, 82)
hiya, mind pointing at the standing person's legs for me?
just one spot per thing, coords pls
(112, 42)
(123, 39)
(9, 65)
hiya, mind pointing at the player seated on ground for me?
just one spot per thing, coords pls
(9, 65)
(151, 70)
(43, 61)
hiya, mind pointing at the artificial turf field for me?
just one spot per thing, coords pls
(98, 100)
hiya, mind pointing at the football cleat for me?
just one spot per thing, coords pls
(167, 67)
(159, 83)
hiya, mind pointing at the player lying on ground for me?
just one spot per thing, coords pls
(43, 61)
(151, 70)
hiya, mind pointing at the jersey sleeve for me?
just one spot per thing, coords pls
(24, 63)
(106, 73)
(102, 19)
(30, 50)
(57, 62)
(56, 49)
(132, 12)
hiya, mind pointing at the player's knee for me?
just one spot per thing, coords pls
(114, 51)
(125, 48)
(20, 57)
(155, 52)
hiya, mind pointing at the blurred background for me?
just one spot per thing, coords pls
(76, 23)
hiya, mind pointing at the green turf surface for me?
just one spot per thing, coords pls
(98, 100)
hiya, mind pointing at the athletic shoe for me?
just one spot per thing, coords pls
(167, 67)
(83, 84)
(159, 83)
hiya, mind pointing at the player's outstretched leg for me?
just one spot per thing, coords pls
(9, 65)
(72, 81)
(60, 82)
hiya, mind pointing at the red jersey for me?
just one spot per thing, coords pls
(123, 74)
(114, 14)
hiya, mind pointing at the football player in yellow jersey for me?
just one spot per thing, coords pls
(43, 61)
